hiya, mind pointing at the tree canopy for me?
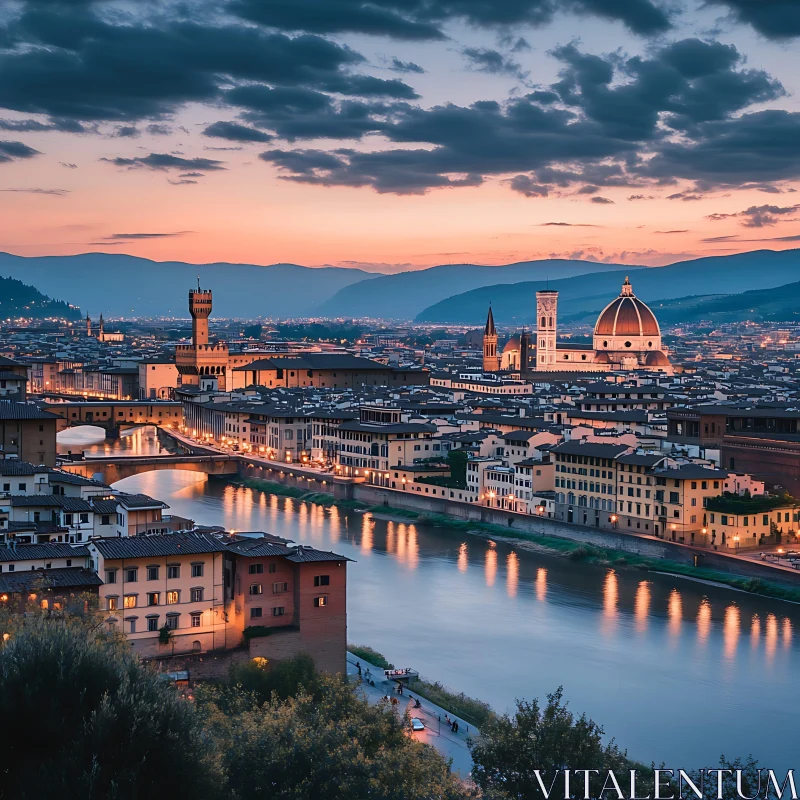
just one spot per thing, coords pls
(89, 721)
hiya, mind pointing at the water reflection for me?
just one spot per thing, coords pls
(617, 643)
(771, 637)
(462, 557)
(730, 630)
(91, 440)
(642, 606)
(703, 620)
(610, 595)
(512, 573)
(491, 564)
(755, 632)
(541, 584)
(675, 612)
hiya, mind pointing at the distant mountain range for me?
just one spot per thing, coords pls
(587, 294)
(20, 300)
(406, 294)
(127, 286)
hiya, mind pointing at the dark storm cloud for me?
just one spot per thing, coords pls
(11, 151)
(775, 19)
(759, 216)
(156, 129)
(686, 83)
(526, 186)
(754, 148)
(166, 161)
(606, 122)
(299, 113)
(339, 16)
(395, 171)
(493, 62)
(75, 65)
(396, 65)
(34, 126)
(127, 132)
(423, 19)
(234, 132)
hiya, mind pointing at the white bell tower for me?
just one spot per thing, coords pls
(546, 320)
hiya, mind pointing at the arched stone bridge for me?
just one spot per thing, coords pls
(116, 468)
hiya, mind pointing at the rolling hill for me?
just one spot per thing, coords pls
(123, 285)
(20, 300)
(406, 294)
(780, 304)
(588, 294)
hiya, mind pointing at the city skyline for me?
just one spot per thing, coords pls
(400, 135)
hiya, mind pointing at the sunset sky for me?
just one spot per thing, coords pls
(397, 134)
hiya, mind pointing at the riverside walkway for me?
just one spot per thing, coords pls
(437, 732)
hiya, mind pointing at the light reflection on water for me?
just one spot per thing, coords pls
(89, 439)
(675, 670)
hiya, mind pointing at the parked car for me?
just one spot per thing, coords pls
(417, 724)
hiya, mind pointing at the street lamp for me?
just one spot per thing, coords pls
(736, 541)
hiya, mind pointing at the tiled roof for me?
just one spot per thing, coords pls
(140, 501)
(581, 448)
(29, 552)
(641, 459)
(693, 472)
(343, 361)
(13, 410)
(104, 506)
(259, 549)
(72, 480)
(12, 466)
(303, 555)
(50, 501)
(66, 578)
(168, 544)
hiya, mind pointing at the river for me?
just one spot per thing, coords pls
(675, 670)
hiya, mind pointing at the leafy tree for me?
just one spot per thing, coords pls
(336, 746)
(253, 331)
(87, 720)
(284, 678)
(457, 459)
(510, 748)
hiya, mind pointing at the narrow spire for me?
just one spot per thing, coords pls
(489, 330)
(198, 283)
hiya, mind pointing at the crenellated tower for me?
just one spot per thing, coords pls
(202, 358)
(200, 309)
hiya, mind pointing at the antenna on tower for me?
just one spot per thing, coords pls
(198, 283)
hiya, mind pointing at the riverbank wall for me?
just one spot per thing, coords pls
(511, 524)
(530, 527)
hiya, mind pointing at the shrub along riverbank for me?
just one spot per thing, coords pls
(552, 545)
